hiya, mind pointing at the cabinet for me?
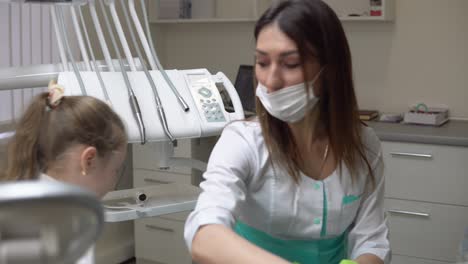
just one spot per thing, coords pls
(425, 200)
(160, 239)
(228, 11)
(411, 260)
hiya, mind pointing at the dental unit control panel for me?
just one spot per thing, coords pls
(208, 102)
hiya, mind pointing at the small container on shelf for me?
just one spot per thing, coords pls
(203, 9)
(376, 8)
(169, 9)
(391, 117)
(368, 115)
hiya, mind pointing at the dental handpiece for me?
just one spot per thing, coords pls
(162, 115)
(133, 99)
(137, 112)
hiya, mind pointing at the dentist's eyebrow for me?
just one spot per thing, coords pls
(285, 53)
(282, 54)
(289, 53)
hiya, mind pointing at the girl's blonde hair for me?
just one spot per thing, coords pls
(46, 131)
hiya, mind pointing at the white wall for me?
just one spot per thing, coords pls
(26, 39)
(422, 56)
(218, 47)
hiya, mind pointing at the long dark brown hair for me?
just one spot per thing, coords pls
(44, 133)
(317, 32)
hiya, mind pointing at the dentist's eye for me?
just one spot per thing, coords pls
(261, 64)
(292, 65)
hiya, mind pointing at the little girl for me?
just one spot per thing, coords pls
(74, 139)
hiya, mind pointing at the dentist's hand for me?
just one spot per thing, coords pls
(218, 244)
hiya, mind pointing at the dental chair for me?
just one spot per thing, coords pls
(47, 222)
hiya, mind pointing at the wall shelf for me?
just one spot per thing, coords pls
(344, 8)
(200, 21)
(206, 11)
(365, 18)
(249, 10)
(252, 20)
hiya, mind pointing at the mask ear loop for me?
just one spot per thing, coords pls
(317, 75)
(311, 83)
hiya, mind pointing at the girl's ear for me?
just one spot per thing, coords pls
(88, 159)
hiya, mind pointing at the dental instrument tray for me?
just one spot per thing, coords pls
(158, 200)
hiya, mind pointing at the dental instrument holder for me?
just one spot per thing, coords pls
(166, 158)
(166, 151)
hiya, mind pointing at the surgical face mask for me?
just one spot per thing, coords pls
(289, 104)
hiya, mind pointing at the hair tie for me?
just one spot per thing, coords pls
(56, 93)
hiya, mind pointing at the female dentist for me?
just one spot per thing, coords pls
(303, 181)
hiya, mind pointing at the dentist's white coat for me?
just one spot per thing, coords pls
(242, 184)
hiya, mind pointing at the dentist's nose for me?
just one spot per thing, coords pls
(273, 80)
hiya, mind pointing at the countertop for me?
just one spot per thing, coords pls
(453, 133)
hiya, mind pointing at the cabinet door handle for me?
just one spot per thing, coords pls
(156, 181)
(409, 213)
(169, 230)
(412, 155)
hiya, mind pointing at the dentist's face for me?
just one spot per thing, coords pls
(277, 60)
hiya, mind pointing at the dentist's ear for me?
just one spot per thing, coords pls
(88, 159)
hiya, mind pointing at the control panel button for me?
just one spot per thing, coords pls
(205, 92)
